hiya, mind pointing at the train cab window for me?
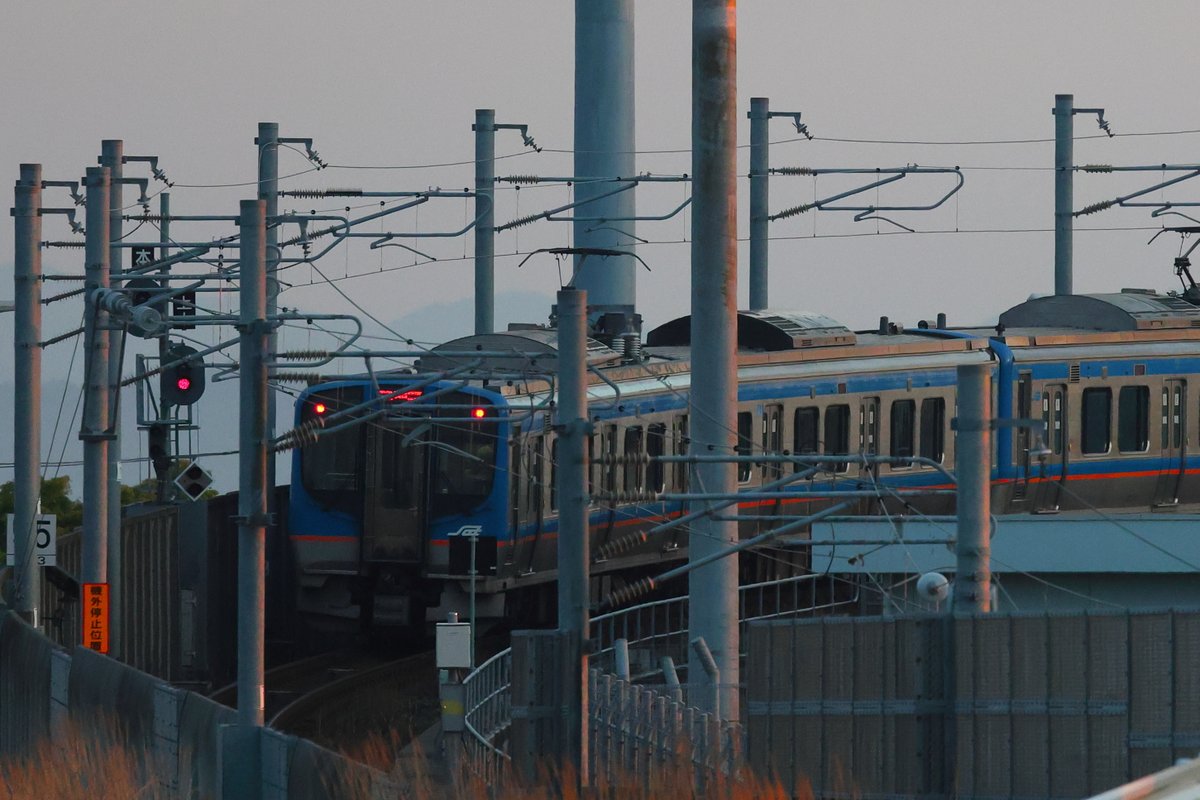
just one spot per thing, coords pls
(745, 443)
(1133, 419)
(656, 443)
(329, 467)
(634, 468)
(933, 428)
(837, 434)
(1095, 421)
(903, 429)
(681, 449)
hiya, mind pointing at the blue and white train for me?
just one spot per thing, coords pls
(384, 514)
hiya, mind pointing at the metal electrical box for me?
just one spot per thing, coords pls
(454, 645)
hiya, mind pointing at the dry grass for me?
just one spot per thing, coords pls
(91, 764)
(415, 775)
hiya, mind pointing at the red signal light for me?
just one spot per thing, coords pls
(478, 413)
(319, 408)
(183, 384)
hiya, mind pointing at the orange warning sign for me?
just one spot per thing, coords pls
(95, 617)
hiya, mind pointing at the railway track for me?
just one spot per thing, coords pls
(346, 700)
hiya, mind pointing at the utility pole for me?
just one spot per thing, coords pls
(27, 402)
(712, 589)
(252, 464)
(604, 148)
(972, 466)
(760, 165)
(166, 429)
(573, 549)
(1064, 192)
(112, 155)
(268, 191)
(485, 234)
(95, 432)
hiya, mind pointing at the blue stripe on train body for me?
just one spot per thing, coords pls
(493, 514)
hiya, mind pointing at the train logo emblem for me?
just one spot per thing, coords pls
(468, 530)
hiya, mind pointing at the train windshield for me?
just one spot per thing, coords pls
(462, 459)
(330, 467)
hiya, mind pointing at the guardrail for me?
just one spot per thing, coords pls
(652, 631)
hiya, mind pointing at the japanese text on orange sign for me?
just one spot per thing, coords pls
(95, 617)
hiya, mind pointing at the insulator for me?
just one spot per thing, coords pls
(1094, 207)
(303, 355)
(794, 171)
(791, 212)
(315, 194)
(622, 545)
(526, 179)
(1097, 168)
(296, 377)
(631, 592)
(64, 244)
(517, 223)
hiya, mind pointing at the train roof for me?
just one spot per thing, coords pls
(1128, 310)
(525, 342)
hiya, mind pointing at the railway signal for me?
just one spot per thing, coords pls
(183, 384)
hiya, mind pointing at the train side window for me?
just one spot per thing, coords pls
(903, 423)
(554, 475)
(537, 458)
(805, 436)
(1177, 415)
(745, 443)
(837, 434)
(656, 443)
(1133, 419)
(772, 439)
(634, 468)
(610, 450)
(933, 428)
(1094, 423)
(681, 449)
(593, 474)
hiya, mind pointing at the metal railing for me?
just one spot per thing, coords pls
(652, 631)
(487, 700)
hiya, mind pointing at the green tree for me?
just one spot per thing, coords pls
(56, 500)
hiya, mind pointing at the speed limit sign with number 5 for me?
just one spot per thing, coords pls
(45, 540)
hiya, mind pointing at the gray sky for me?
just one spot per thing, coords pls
(396, 83)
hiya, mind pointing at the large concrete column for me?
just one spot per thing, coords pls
(94, 432)
(112, 156)
(252, 463)
(485, 234)
(604, 145)
(573, 550)
(973, 467)
(27, 403)
(1064, 191)
(712, 589)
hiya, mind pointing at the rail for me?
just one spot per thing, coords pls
(652, 631)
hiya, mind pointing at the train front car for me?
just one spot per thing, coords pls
(399, 472)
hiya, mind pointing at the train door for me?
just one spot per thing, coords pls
(396, 466)
(1056, 458)
(1024, 437)
(1172, 441)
